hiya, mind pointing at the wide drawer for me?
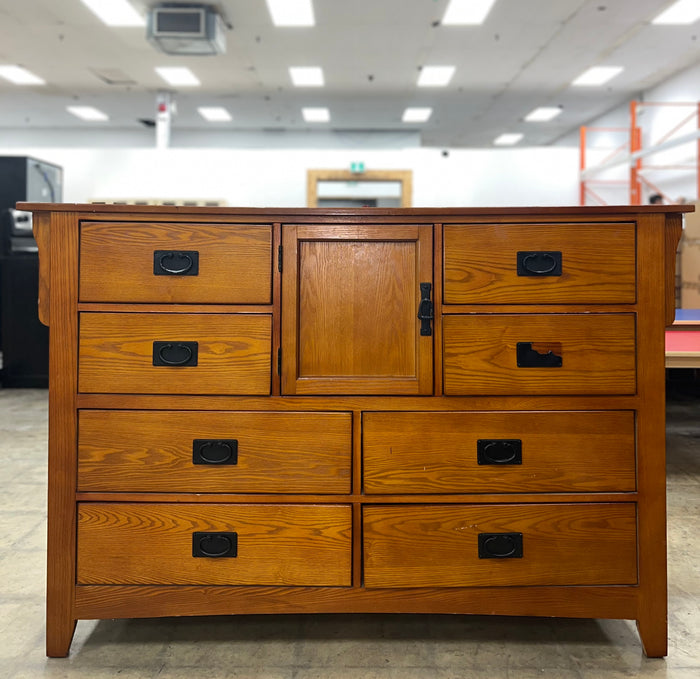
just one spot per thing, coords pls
(140, 544)
(539, 263)
(118, 353)
(539, 354)
(503, 452)
(499, 545)
(171, 262)
(214, 452)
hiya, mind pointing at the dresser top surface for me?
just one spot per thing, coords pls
(467, 212)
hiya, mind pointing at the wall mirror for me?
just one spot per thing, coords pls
(373, 188)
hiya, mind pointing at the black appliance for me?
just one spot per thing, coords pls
(24, 341)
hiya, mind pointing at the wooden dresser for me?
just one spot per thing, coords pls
(417, 410)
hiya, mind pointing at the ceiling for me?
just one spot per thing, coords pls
(525, 55)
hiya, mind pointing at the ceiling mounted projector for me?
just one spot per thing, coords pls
(186, 30)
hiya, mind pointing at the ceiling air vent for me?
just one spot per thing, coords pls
(186, 29)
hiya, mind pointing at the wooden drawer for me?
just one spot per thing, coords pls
(439, 546)
(248, 452)
(482, 354)
(506, 452)
(133, 262)
(482, 263)
(140, 544)
(117, 353)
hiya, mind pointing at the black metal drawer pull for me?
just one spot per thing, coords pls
(175, 353)
(527, 357)
(215, 451)
(176, 262)
(500, 545)
(215, 545)
(425, 309)
(499, 451)
(539, 263)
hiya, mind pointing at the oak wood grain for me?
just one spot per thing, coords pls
(152, 544)
(597, 350)
(116, 262)
(437, 452)
(437, 545)
(116, 353)
(152, 451)
(598, 263)
(41, 227)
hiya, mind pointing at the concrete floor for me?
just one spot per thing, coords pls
(335, 646)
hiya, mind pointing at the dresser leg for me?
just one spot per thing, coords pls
(653, 633)
(59, 635)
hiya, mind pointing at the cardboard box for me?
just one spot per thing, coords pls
(690, 260)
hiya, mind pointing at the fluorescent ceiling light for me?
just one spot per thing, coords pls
(543, 113)
(177, 75)
(416, 115)
(598, 75)
(20, 76)
(115, 12)
(435, 76)
(508, 139)
(316, 115)
(467, 12)
(681, 12)
(306, 76)
(291, 12)
(87, 113)
(214, 114)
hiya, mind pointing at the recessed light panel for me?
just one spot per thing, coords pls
(115, 12)
(467, 12)
(416, 115)
(178, 75)
(87, 113)
(20, 76)
(316, 115)
(682, 12)
(291, 12)
(507, 139)
(598, 75)
(435, 76)
(214, 114)
(307, 76)
(543, 113)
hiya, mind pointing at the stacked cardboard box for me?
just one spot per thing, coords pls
(690, 260)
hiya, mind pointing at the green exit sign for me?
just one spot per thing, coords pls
(357, 168)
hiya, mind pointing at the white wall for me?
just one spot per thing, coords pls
(277, 177)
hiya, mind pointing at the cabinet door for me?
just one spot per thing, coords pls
(350, 298)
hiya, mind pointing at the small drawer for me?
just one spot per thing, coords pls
(214, 452)
(165, 353)
(515, 354)
(179, 263)
(214, 544)
(502, 452)
(539, 263)
(499, 545)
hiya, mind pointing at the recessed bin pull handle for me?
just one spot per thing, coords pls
(500, 545)
(175, 353)
(215, 545)
(176, 262)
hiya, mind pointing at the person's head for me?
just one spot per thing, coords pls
(656, 199)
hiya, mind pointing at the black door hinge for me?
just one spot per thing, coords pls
(279, 361)
(279, 259)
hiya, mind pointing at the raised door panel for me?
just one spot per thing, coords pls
(500, 545)
(214, 452)
(154, 544)
(499, 452)
(350, 302)
(539, 263)
(169, 262)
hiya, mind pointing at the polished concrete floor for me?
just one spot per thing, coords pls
(336, 646)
